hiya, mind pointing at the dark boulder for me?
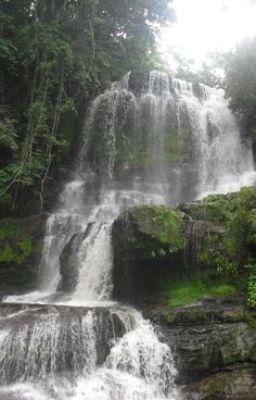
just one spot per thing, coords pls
(69, 261)
(145, 252)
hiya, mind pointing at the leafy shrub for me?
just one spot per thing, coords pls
(15, 245)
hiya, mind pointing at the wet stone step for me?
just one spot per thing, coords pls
(40, 340)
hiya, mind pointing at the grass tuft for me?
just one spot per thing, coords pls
(189, 291)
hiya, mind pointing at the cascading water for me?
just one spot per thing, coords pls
(110, 353)
(157, 140)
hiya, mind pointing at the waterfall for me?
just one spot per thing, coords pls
(158, 140)
(166, 143)
(71, 353)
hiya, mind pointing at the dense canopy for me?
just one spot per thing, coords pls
(55, 56)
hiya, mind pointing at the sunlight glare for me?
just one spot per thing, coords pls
(205, 26)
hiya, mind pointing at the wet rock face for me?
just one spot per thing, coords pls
(231, 385)
(69, 262)
(138, 82)
(215, 346)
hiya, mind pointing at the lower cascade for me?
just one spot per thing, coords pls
(61, 352)
(149, 140)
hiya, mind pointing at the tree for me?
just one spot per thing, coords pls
(240, 84)
(55, 56)
(207, 73)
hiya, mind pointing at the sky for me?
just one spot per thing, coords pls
(205, 26)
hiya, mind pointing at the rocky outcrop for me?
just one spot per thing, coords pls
(21, 242)
(215, 346)
(151, 244)
(139, 81)
(144, 252)
(215, 235)
(210, 241)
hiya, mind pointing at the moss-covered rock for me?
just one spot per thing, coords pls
(148, 243)
(233, 254)
(221, 208)
(215, 208)
(162, 224)
(206, 243)
(218, 235)
(21, 243)
(239, 384)
(152, 244)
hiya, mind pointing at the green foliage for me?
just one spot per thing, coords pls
(56, 56)
(240, 84)
(251, 300)
(252, 323)
(252, 290)
(159, 232)
(208, 73)
(186, 291)
(165, 224)
(171, 232)
(15, 246)
(8, 136)
(223, 264)
(232, 253)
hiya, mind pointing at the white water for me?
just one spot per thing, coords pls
(54, 358)
(166, 112)
(138, 367)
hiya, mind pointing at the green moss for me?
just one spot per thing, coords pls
(164, 224)
(215, 208)
(252, 289)
(221, 209)
(208, 354)
(230, 253)
(170, 318)
(187, 291)
(223, 246)
(251, 220)
(217, 386)
(251, 322)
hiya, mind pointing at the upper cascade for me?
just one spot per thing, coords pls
(152, 127)
(160, 84)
